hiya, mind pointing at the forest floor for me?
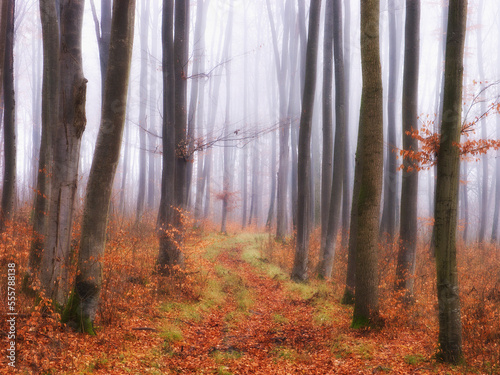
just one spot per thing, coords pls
(234, 311)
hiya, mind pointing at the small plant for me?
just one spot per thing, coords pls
(414, 359)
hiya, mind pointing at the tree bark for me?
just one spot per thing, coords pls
(448, 162)
(143, 105)
(50, 110)
(339, 161)
(366, 305)
(299, 272)
(82, 307)
(388, 224)
(327, 162)
(9, 121)
(66, 140)
(405, 269)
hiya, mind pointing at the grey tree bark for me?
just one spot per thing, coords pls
(82, 307)
(484, 134)
(9, 121)
(338, 162)
(388, 223)
(66, 139)
(405, 269)
(299, 272)
(448, 162)
(366, 304)
(228, 165)
(50, 112)
(327, 98)
(143, 105)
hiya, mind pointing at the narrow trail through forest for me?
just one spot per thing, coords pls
(266, 324)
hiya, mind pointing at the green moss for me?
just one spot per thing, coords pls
(414, 359)
(360, 322)
(72, 315)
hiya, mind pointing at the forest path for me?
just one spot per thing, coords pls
(266, 324)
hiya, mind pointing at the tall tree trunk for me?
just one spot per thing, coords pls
(50, 110)
(388, 224)
(169, 251)
(103, 34)
(484, 133)
(299, 272)
(409, 190)
(465, 201)
(366, 307)
(152, 135)
(227, 183)
(326, 165)
(339, 161)
(82, 307)
(9, 122)
(448, 162)
(143, 105)
(198, 66)
(346, 198)
(66, 141)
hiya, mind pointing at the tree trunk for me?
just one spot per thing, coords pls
(198, 66)
(388, 224)
(346, 199)
(82, 307)
(366, 307)
(484, 133)
(66, 140)
(227, 183)
(143, 105)
(50, 110)
(448, 162)
(9, 121)
(299, 272)
(326, 165)
(170, 253)
(339, 161)
(409, 190)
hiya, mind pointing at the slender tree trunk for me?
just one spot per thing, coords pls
(82, 307)
(484, 134)
(152, 139)
(388, 224)
(326, 165)
(450, 326)
(226, 183)
(366, 305)
(409, 190)
(339, 161)
(346, 199)
(66, 141)
(170, 253)
(198, 65)
(299, 272)
(143, 105)
(9, 122)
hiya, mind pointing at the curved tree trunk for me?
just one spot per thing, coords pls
(82, 307)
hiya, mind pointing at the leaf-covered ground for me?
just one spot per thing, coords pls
(235, 311)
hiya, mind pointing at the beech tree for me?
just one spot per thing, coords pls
(409, 189)
(9, 116)
(366, 304)
(66, 132)
(299, 272)
(82, 307)
(448, 163)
